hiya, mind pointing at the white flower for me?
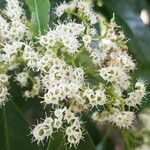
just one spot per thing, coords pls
(98, 56)
(110, 73)
(31, 57)
(87, 40)
(59, 113)
(57, 123)
(3, 95)
(46, 62)
(107, 44)
(100, 97)
(92, 31)
(140, 88)
(70, 28)
(50, 39)
(95, 97)
(22, 78)
(41, 131)
(51, 98)
(4, 28)
(27, 94)
(122, 59)
(134, 99)
(65, 34)
(10, 51)
(17, 30)
(74, 135)
(70, 42)
(84, 9)
(4, 78)
(60, 10)
(14, 10)
(93, 18)
(69, 116)
(48, 126)
(101, 118)
(123, 119)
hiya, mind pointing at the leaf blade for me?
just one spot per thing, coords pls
(5, 128)
(14, 128)
(39, 15)
(59, 143)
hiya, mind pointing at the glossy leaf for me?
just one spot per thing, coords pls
(2, 3)
(39, 15)
(59, 143)
(86, 144)
(14, 129)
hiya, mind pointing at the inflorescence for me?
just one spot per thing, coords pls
(61, 80)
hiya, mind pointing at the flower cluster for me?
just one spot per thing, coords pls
(22, 78)
(56, 64)
(63, 119)
(15, 28)
(84, 10)
(3, 89)
(66, 34)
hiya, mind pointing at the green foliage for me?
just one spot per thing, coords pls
(60, 144)
(2, 3)
(14, 129)
(39, 15)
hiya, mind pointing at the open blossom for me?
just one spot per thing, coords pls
(84, 9)
(123, 119)
(67, 34)
(3, 89)
(15, 29)
(72, 69)
(22, 78)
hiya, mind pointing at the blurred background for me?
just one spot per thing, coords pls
(134, 17)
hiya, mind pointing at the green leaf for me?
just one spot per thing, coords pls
(59, 143)
(39, 15)
(16, 118)
(86, 144)
(2, 3)
(14, 129)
